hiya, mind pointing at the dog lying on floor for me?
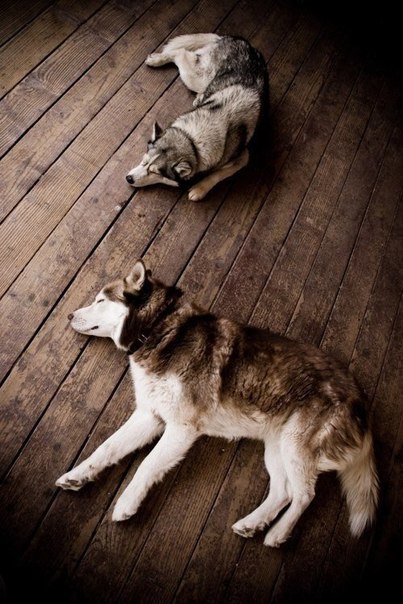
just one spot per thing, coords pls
(230, 79)
(197, 374)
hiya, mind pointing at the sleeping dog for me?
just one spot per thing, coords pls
(230, 79)
(197, 374)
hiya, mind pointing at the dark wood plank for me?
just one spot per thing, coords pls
(351, 555)
(23, 232)
(30, 46)
(252, 268)
(376, 327)
(340, 236)
(36, 151)
(29, 99)
(301, 245)
(79, 396)
(383, 563)
(14, 15)
(352, 298)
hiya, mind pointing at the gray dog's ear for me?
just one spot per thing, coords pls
(183, 169)
(137, 277)
(156, 132)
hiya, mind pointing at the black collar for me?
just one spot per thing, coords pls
(145, 333)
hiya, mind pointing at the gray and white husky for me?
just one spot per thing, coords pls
(230, 79)
(197, 374)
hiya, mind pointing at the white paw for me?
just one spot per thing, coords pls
(247, 527)
(274, 539)
(69, 482)
(123, 510)
(196, 193)
(154, 59)
(243, 530)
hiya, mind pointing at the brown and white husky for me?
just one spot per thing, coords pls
(197, 374)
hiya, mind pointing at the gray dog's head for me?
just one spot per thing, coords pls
(170, 159)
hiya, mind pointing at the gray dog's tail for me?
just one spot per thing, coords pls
(360, 485)
(190, 41)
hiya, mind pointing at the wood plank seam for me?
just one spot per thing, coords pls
(113, 151)
(45, 163)
(41, 11)
(51, 499)
(6, 473)
(305, 195)
(389, 235)
(84, 72)
(340, 194)
(69, 17)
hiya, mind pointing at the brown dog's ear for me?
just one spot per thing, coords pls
(137, 277)
(156, 132)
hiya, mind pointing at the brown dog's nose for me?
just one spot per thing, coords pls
(70, 316)
(130, 179)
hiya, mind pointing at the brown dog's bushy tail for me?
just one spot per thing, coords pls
(359, 482)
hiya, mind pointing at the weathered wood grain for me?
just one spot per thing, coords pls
(28, 100)
(347, 573)
(32, 155)
(23, 231)
(30, 46)
(13, 16)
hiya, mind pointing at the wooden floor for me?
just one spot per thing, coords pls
(306, 240)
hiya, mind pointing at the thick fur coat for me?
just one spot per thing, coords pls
(195, 373)
(230, 79)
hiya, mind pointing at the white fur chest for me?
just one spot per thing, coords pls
(161, 395)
